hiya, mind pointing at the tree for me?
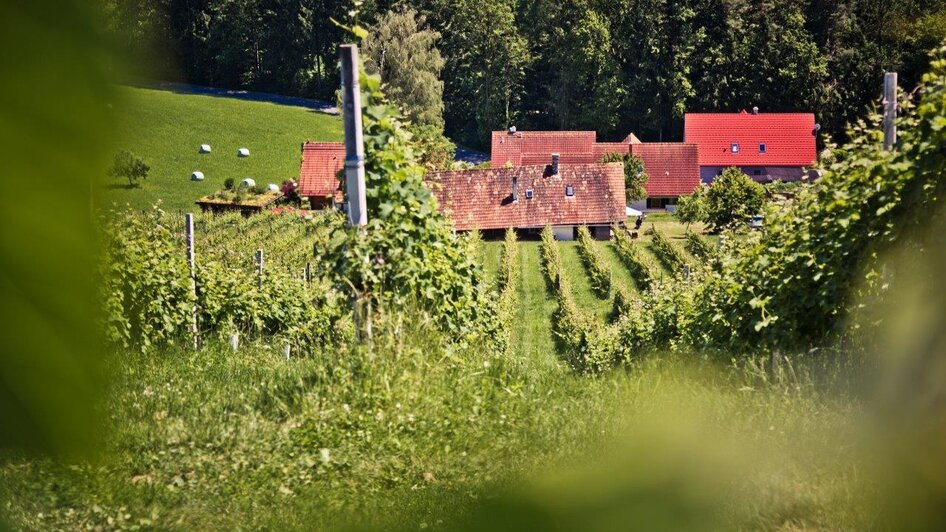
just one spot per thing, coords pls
(434, 151)
(575, 80)
(486, 60)
(403, 52)
(635, 175)
(129, 166)
(694, 207)
(733, 199)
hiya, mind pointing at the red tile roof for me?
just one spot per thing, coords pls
(482, 199)
(602, 148)
(673, 168)
(526, 148)
(789, 138)
(321, 162)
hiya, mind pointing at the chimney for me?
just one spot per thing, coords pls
(515, 189)
(755, 110)
(512, 130)
(554, 164)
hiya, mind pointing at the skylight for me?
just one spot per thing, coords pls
(762, 148)
(735, 147)
(569, 190)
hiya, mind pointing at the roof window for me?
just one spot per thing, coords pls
(530, 194)
(569, 190)
(762, 148)
(734, 147)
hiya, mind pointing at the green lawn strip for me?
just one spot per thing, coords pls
(532, 334)
(166, 130)
(581, 287)
(489, 256)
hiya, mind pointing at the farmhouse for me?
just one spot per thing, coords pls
(530, 197)
(765, 146)
(318, 174)
(672, 168)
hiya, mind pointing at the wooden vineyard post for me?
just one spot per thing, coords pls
(259, 267)
(189, 231)
(890, 110)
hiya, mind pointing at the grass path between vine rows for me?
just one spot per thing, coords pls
(532, 335)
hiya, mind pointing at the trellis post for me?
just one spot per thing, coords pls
(890, 110)
(189, 232)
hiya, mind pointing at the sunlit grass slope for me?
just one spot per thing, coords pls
(166, 129)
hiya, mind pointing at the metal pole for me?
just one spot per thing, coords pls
(890, 110)
(259, 266)
(189, 230)
(354, 141)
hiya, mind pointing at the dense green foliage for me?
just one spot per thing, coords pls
(130, 167)
(149, 299)
(599, 274)
(614, 66)
(733, 199)
(635, 175)
(793, 285)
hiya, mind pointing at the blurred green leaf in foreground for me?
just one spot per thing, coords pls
(54, 135)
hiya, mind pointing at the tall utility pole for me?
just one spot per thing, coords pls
(354, 140)
(890, 110)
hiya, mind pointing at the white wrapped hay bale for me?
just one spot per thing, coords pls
(243, 152)
(273, 188)
(197, 176)
(248, 182)
(205, 148)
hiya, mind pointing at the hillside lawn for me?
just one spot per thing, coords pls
(166, 129)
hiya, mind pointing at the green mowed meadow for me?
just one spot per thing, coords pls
(166, 129)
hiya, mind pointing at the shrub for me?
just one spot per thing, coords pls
(228, 183)
(127, 165)
(585, 345)
(599, 274)
(146, 283)
(733, 199)
(642, 270)
(668, 253)
(698, 246)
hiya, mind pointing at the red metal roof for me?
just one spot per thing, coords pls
(482, 199)
(673, 168)
(321, 162)
(789, 138)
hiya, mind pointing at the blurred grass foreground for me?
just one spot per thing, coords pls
(417, 433)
